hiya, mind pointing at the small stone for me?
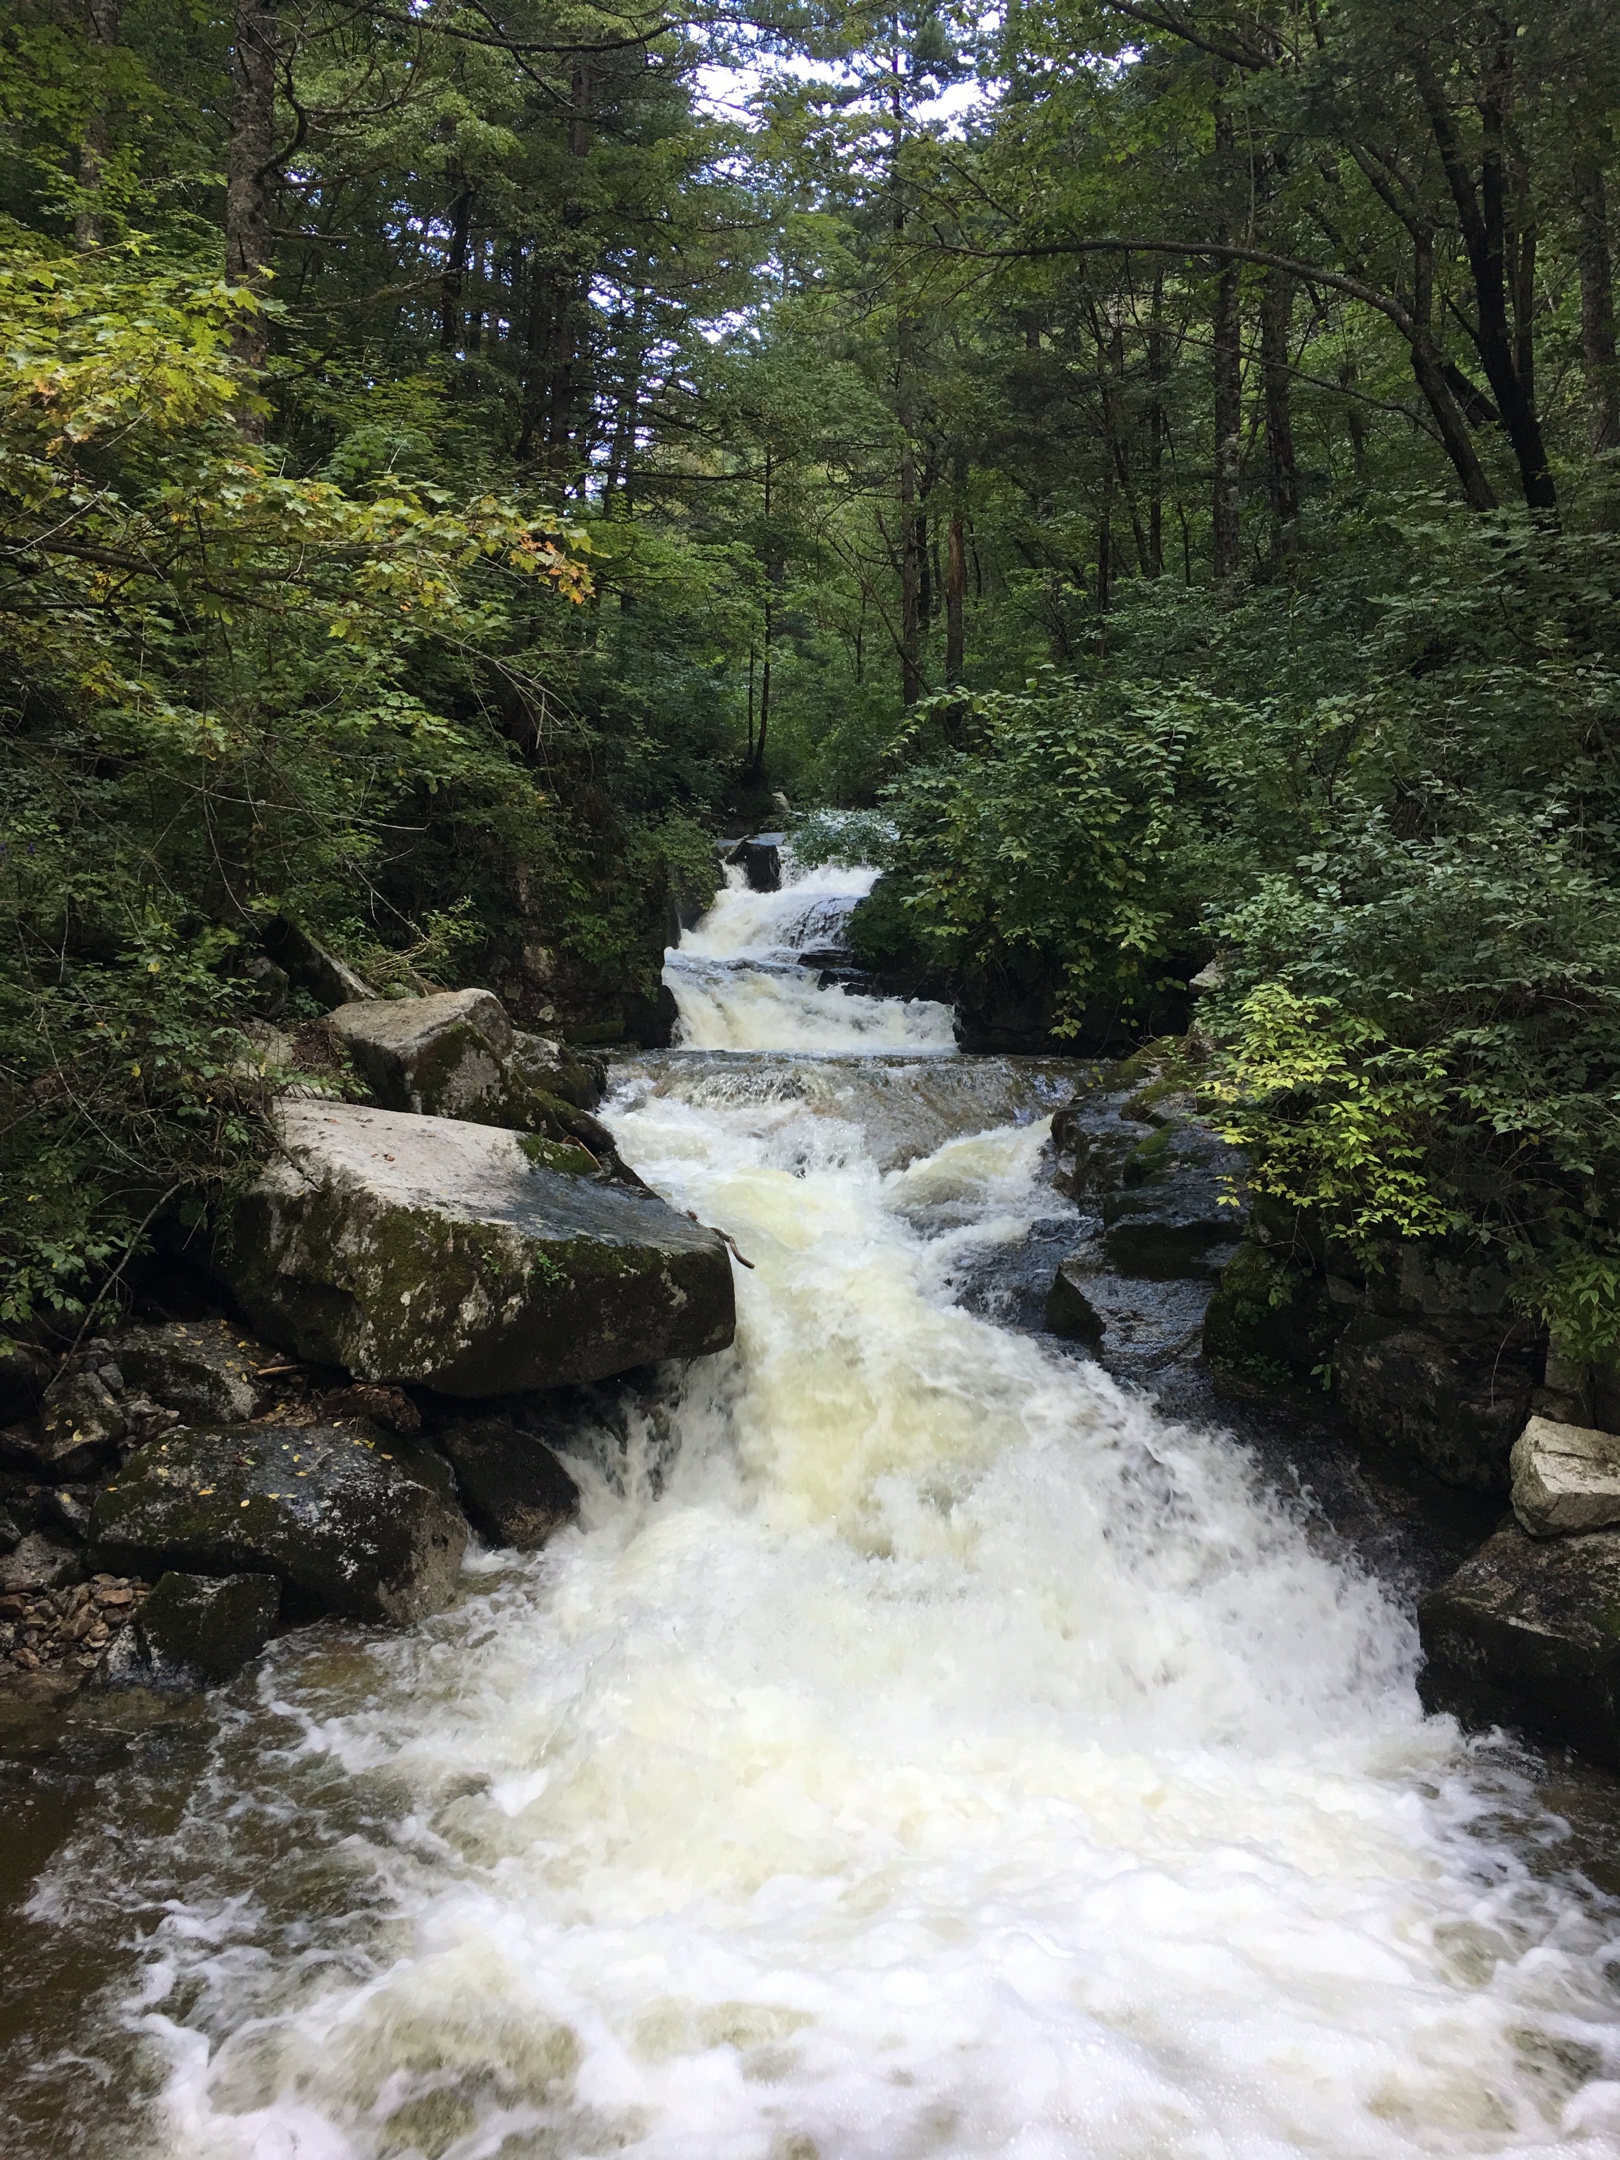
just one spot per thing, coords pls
(1565, 1477)
(115, 1597)
(28, 1659)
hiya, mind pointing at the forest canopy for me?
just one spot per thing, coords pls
(457, 458)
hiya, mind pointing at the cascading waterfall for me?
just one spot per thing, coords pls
(922, 1751)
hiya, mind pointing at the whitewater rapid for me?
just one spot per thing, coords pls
(920, 1750)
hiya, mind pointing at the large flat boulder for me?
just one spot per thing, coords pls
(1527, 1633)
(465, 1258)
(1565, 1477)
(352, 1520)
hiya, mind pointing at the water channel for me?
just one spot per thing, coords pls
(924, 1748)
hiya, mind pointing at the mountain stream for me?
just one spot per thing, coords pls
(923, 1749)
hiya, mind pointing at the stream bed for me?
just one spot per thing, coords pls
(928, 1746)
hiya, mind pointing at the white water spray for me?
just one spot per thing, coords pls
(922, 1752)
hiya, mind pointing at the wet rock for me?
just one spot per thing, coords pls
(1180, 1208)
(352, 1520)
(1524, 1634)
(207, 1370)
(1069, 1310)
(760, 860)
(39, 1562)
(193, 1630)
(1565, 1477)
(511, 1484)
(465, 1258)
(1456, 1414)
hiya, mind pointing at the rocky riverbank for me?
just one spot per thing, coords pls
(376, 1340)
(1409, 1386)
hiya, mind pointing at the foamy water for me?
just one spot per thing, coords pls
(921, 1751)
(740, 985)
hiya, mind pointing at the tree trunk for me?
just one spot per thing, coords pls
(1482, 213)
(1227, 361)
(1276, 322)
(250, 172)
(911, 680)
(1156, 432)
(956, 577)
(1598, 354)
(104, 19)
(454, 275)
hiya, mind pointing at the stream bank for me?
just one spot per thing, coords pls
(920, 1743)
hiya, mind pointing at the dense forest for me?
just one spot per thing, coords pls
(1161, 460)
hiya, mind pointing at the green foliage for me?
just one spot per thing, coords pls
(214, 696)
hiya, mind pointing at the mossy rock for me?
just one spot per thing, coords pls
(466, 1258)
(350, 1519)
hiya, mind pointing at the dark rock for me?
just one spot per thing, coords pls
(511, 1484)
(80, 1427)
(1458, 1415)
(1181, 1206)
(67, 1508)
(1271, 1320)
(1525, 1634)
(195, 1629)
(11, 1532)
(38, 1562)
(352, 1520)
(465, 1258)
(268, 986)
(1069, 1311)
(207, 1370)
(311, 965)
(389, 1406)
(25, 1373)
(760, 860)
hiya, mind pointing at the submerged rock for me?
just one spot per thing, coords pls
(465, 1257)
(1565, 1477)
(1524, 1634)
(351, 1520)
(192, 1630)
(511, 1484)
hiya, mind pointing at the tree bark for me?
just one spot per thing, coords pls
(1156, 431)
(1482, 213)
(104, 17)
(1226, 361)
(956, 576)
(1276, 322)
(454, 275)
(250, 173)
(1596, 266)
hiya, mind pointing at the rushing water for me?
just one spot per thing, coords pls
(922, 1751)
